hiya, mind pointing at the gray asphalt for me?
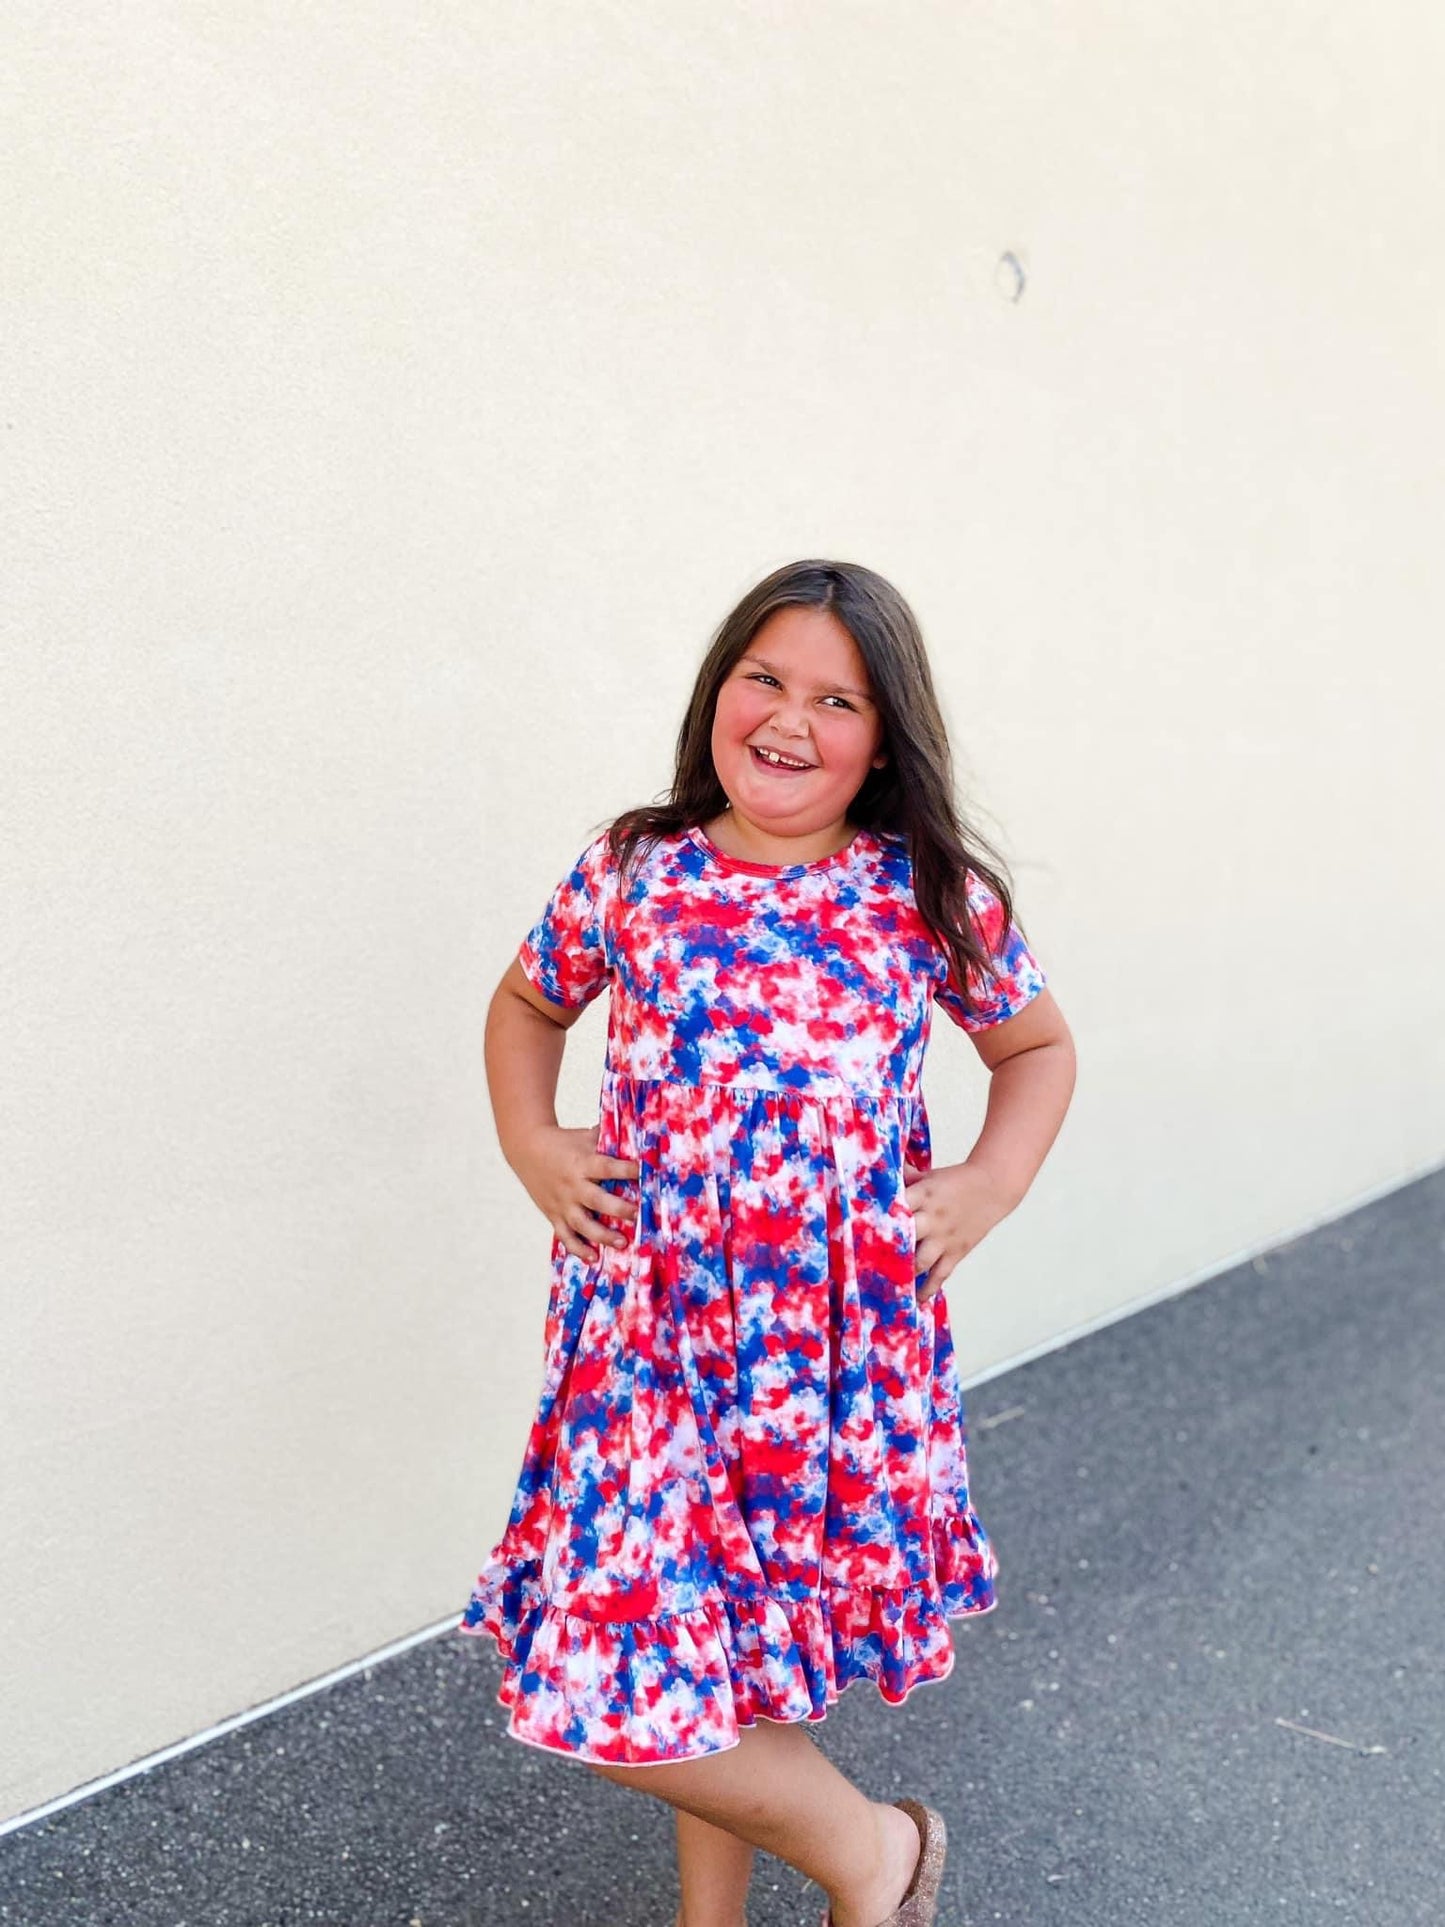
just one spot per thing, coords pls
(1213, 1690)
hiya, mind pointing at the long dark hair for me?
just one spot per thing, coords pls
(911, 796)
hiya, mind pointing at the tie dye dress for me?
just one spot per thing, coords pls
(746, 1484)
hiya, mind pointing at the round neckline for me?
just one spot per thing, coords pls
(705, 843)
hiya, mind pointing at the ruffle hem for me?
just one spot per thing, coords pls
(678, 1686)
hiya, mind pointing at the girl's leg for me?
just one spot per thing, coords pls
(778, 1791)
(714, 1869)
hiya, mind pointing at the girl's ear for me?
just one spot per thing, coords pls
(879, 761)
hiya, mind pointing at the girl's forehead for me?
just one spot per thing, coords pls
(817, 647)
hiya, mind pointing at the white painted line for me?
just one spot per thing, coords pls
(1248, 1255)
(137, 1767)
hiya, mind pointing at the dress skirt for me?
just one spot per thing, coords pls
(746, 1485)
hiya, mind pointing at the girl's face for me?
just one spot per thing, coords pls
(800, 688)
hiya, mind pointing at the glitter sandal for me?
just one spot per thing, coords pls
(919, 1906)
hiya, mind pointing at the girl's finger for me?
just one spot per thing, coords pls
(579, 1248)
(606, 1205)
(594, 1232)
(601, 1169)
(609, 1203)
(569, 1240)
(611, 1166)
(937, 1277)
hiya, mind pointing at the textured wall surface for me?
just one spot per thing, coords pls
(393, 406)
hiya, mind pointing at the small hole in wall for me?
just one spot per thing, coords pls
(1009, 276)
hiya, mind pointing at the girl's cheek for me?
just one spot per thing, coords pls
(744, 712)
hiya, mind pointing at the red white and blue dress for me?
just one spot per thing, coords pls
(746, 1484)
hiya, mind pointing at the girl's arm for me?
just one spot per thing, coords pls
(1033, 1065)
(559, 1168)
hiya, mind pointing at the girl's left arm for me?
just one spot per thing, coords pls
(1032, 1063)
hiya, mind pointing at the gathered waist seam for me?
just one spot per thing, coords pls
(795, 1093)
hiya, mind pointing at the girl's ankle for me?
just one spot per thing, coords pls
(899, 1849)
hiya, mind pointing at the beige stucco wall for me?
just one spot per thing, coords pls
(392, 405)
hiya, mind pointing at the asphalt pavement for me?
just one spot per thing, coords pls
(1212, 1693)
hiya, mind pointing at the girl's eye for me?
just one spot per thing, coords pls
(761, 675)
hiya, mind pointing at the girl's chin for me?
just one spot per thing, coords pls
(773, 815)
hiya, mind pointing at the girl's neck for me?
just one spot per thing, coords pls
(722, 830)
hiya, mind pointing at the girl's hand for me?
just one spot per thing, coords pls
(954, 1208)
(560, 1169)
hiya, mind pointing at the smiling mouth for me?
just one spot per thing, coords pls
(772, 760)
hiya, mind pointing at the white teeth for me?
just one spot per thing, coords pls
(782, 762)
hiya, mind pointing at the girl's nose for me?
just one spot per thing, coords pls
(790, 720)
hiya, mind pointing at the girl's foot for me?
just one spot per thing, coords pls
(899, 1850)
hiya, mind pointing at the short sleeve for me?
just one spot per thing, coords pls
(567, 954)
(1019, 979)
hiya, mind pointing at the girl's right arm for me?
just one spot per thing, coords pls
(559, 1168)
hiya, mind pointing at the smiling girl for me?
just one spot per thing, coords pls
(746, 1486)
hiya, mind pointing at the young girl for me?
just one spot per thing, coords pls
(746, 1485)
